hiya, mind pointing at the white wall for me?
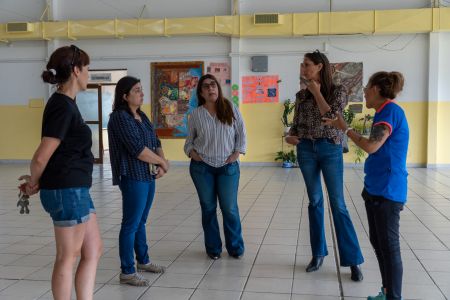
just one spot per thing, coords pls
(285, 56)
(22, 62)
(289, 6)
(21, 65)
(21, 10)
(107, 9)
(136, 55)
(444, 67)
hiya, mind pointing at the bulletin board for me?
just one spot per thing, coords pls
(260, 89)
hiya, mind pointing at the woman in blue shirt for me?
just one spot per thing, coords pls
(134, 148)
(385, 181)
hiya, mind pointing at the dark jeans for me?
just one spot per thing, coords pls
(384, 224)
(137, 198)
(323, 156)
(221, 184)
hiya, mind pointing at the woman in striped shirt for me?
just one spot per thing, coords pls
(215, 141)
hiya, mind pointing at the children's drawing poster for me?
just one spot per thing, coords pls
(260, 89)
(221, 71)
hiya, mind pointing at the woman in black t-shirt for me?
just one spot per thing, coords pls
(61, 169)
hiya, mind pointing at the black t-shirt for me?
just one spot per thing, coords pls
(72, 162)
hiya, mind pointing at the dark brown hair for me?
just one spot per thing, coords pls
(61, 63)
(389, 83)
(224, 107)
(123, 87)
(326, 78)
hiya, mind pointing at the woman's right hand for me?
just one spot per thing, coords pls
(293, 140)
(161, 173)
(195, 156)
(28, 188)
(164, 165)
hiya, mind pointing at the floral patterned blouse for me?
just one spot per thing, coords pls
(307, 123)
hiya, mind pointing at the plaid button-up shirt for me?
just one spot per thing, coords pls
(127, 139)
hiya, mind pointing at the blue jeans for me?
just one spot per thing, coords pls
(314, 157)
(222, 184)
(137, 198)
(383, 216)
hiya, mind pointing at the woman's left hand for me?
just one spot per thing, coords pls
(337, 122)
(233, 157)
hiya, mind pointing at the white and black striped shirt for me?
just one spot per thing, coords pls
(213, 140)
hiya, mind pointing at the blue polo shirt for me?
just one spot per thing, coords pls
(385, 169)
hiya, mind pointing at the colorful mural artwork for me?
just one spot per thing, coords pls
(350, 75)
(174, 96)
(260, 89)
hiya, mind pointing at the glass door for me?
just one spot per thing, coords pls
(89, 103)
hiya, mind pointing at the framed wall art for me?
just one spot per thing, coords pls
(174, 96)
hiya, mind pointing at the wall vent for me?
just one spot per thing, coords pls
(19, 27)
(266, 19)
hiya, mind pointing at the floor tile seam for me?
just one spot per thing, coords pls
(266, 230)
(426, 226)
(333, 238)
(181, 253)
(298, 237)
(13, 281)
(420, 262)
(406, 241)
(19, 280)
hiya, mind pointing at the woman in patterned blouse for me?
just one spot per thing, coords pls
(319, 150)
(133, 147)
(215, 141)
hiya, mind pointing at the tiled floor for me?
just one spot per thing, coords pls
(273, 207)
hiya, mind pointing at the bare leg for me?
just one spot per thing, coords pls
(91, 251)
(68, 246)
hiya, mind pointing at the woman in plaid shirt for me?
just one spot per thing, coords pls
(133, 147)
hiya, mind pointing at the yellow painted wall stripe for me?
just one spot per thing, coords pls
(21, 129)
(295, 24)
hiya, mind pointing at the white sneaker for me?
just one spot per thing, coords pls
(134, 279)
(150, 267)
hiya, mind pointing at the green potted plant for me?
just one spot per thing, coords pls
(348, 115)
(363, 127)
(288, 107)
(367, 123)
(289, 158)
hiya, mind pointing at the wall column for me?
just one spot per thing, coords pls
(433, 97)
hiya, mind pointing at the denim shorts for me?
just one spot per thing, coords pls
(68, 207)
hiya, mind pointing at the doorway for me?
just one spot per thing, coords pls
(95, 105)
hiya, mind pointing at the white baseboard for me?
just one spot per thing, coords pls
(15, 161)
(438, 166)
